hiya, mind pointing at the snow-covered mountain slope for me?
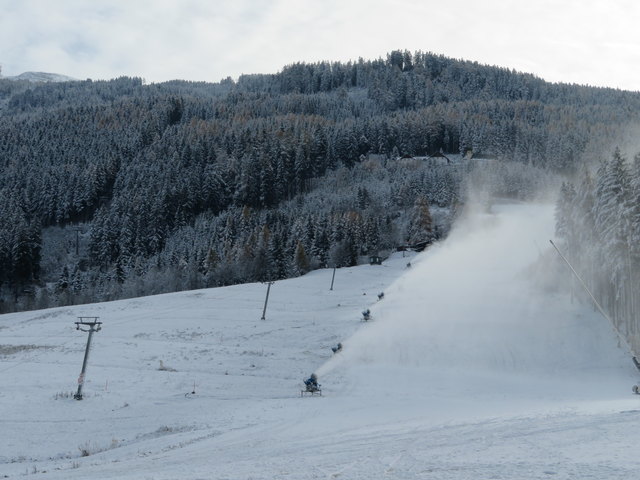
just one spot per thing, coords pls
(468, 369)
(41, 77)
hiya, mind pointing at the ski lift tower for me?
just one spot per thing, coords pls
(86, 324)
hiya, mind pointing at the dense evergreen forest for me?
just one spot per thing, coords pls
(118, 188)
(598, 218)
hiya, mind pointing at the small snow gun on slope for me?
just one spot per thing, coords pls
(311, 386)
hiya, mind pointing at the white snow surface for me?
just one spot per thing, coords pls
(473, 366)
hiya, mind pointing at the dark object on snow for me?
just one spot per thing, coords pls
(311, 382)
(420, 246)
(91, 325)
(416, 247)
(635, 389)
(311, 386)
(439, 155)
(337, 348)
(366, 315)
(409, 265)
(636, 363)
(375, 260)
(380, 295)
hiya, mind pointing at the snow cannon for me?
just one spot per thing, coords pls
(312, 386)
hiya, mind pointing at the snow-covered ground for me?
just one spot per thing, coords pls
(468, 369)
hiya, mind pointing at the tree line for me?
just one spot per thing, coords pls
(134, 166)
(598, 219)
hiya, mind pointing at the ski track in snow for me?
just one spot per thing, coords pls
(467, 370)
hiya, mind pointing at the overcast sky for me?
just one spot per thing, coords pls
(595, 42)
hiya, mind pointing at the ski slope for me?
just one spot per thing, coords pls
(474, 365)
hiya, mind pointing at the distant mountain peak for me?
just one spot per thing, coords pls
(41, 77)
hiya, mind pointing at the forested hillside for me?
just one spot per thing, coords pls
(118, 188)
(598, 217)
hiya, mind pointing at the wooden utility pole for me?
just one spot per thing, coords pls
(86, 324)
(266, 300)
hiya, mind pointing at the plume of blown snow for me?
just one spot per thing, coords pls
(467, 303)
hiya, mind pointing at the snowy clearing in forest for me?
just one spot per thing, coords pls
(468, 369)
